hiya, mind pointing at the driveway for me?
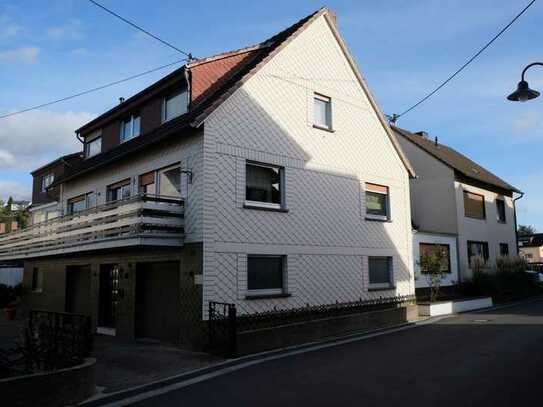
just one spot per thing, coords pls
(483, 359)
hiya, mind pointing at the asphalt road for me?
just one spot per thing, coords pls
(483, 359)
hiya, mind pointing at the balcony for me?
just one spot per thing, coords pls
(142, 220)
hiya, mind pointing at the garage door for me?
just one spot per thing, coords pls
(157, 301)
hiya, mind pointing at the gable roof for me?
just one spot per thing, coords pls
(212, 80)
(455, 160)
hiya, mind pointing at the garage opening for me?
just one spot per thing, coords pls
(157, 301)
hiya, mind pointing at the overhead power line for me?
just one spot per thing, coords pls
(85, 92)
(393, 118)
(137, 27)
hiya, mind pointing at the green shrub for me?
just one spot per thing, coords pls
(508, 281)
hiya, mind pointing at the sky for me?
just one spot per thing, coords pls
(404, 48)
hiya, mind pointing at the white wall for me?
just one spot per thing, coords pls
(485, 230)
(187, 150)
(324, 234)
(420, 237)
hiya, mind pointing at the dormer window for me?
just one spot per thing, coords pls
(46, 181)
(174, 105)
(130, 128)
(93, 144)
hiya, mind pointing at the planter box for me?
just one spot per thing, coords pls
(453, 307)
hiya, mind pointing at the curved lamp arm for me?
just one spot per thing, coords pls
(528, 67)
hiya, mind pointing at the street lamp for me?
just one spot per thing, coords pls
(523, 92)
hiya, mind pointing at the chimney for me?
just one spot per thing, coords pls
(422, 134)
(121, 100)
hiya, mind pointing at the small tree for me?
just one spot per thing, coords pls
(525, 230)
(431, 265)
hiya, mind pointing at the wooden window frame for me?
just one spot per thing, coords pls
(466, 192)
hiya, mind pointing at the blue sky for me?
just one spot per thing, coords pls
(52, 49)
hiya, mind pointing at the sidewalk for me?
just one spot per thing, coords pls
(121, 365)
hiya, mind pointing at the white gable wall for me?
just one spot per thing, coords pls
(324, 234)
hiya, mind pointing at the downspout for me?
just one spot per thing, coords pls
(515, 213)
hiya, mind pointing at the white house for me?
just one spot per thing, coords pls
(457, 206)
(264, 177)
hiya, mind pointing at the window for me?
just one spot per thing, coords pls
(500, 208)
(322, 112)
(46, 181)
(170, 181)
(477, 250)
(430, 248)
(377, 205)
(263, 185)
(37, 280)
(474, 205)
(174, 105)
(147, 183)
(77, 204)
(118, 191)
(265, 274)
(93, 144)
(504, 249)
(380, 272)
(130, 128)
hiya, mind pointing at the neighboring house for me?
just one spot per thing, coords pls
(18, 206)
(45, 198)
(531, 247)
(265, 177)
(457, 206)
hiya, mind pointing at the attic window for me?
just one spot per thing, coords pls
(93, 144)
(322, 112)
(174, 105)
(130, 127)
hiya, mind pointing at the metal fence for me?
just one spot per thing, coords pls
(535, 267)
(49, 341)
(225, 324)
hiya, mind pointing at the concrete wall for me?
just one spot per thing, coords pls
(485, 230)
(433, 203)
(421, 237)
(324, 234)
(187, 150)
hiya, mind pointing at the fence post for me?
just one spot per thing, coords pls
(232, 323)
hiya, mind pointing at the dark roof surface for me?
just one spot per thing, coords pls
(534, 240)
(455, 160)
(72, 156)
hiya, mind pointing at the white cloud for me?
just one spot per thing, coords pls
(32, 139)
(73, 30)
(15, 189)
(23, 54)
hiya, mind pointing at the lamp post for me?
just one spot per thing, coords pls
(523, 92)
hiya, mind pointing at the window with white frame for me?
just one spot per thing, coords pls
(265, 274)
(322, 111)
(130, 128)
(169, 181)
(263, 185)
(118, 191)
(174, 105)
(47, 180)
(93, 144)
(380, 272)
(377, 202)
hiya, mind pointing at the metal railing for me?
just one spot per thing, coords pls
(139, 216)
(224, 324)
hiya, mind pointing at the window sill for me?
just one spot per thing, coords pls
(378, 219)
(392, 287)
(316, 126)
(475, 218)
(266, 296)
(264, 208)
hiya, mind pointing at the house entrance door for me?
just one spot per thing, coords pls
(108, 299)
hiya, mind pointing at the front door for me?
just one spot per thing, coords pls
(108, 298)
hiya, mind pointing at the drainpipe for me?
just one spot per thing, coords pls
(515, 213)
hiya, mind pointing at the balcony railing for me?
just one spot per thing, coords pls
(140, 220)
